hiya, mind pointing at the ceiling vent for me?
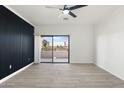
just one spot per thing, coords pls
(65, 18)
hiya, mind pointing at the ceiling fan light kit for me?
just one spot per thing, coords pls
(67, 9)
(65, 12)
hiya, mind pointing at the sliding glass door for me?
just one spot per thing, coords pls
(55, 48)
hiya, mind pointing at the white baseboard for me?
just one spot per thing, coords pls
(37, 62)
(109, 71)
(13, 74)
(81, 61)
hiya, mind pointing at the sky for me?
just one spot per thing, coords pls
(58, 40)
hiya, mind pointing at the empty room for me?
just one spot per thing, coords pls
(61, 46)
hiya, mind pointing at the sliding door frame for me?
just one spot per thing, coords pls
(52, 47)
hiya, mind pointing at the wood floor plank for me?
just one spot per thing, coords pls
(63, 76)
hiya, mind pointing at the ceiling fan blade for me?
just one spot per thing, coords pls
(76, 7)
(72, 14)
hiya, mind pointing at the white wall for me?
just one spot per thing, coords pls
(81, 40)
(37, 48)
(110, 43)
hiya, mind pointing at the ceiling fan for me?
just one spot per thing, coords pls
(67, 9)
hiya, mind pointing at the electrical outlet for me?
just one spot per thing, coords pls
(10, 66)
(28, 59)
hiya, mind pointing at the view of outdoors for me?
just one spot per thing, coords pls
(54, 49)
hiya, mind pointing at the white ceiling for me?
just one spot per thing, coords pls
(39, 14)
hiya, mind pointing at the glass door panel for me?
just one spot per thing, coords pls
(46, 49)
(60, 49)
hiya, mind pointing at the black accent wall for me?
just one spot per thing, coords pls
(16, 42)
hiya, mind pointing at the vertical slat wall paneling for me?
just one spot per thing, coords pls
(2, 42)
(16, 42)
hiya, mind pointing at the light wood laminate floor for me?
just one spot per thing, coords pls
(63, 76)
